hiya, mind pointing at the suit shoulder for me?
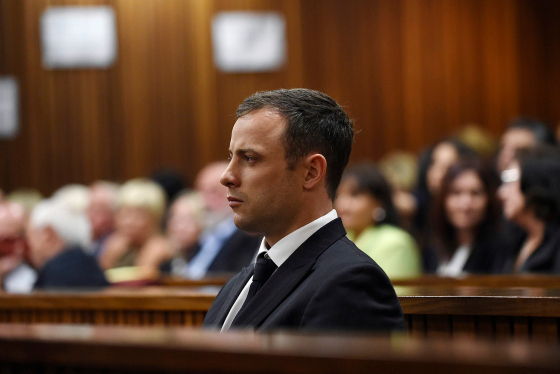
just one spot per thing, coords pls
(344, 251)
(350, 292)
(344, 256)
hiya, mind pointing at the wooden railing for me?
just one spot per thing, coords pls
(431, 310)
(137, 307)
(496, 281)
(481, 312)
(88, 349)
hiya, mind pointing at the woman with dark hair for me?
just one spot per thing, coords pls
(432, 165)
(367, 211)
(530, 193)
(464, 222)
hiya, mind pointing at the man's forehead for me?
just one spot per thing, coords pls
(257, 127)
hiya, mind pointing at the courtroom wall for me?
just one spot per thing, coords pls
(408, 71)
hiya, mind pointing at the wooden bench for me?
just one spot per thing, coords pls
(87, 349)
(472, 312)
(502, 281)
(116, 306)
(218, 280)
(482, 312)
(495, 281)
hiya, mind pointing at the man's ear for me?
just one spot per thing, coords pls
(49, 234)
(315, 170)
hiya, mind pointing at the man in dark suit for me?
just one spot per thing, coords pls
(288, 150)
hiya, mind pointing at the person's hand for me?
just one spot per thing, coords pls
(117, 246)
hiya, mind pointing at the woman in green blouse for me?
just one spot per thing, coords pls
(365, 205)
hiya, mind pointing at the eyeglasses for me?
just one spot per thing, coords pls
(510, 175)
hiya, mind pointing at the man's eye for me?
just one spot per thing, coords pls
(249, 158)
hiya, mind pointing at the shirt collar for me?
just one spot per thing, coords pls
(284, 248)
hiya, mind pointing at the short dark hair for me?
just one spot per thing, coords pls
(541, 132)
(371, 181)
(314, 123)
(540, 180)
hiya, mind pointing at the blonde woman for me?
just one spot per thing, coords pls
(137, 240)
(185, 223)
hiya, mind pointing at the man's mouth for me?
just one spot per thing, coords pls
(233, 201)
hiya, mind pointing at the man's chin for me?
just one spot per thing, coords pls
(243, 224)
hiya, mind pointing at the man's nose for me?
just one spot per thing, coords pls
(228, 177)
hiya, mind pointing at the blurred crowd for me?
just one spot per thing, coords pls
(467, 204)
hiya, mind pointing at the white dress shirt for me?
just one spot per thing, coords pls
(454, 267)
(210, 247)
(279, 253)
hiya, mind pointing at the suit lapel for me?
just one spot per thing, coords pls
(243, 278)
(289, 275)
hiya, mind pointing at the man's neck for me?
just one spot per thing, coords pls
(271, 239)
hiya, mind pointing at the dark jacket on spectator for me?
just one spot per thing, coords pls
(545, 259)
(71, 268)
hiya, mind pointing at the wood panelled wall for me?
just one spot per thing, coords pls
(408, 71)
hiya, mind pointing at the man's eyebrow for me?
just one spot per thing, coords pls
(247, 150)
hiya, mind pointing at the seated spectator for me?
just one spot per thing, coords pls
(73, 196)
(222, 247)
(56, 237)
(465, 235)
(184, 224)
(401, 170)
(432, 166)
(101, 210)
(530, 193)
(26, 197)
(522, 133)
(365, 206)
(137, 240)
(15, 273)
(479, 140)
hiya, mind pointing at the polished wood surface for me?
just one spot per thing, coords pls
(182, 282)
(118, 306)
(492, 281)
(496, 281)
(83, 348)
(482, 312)
(530, 313)
(408, 71)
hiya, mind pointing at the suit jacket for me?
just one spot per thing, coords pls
(482, 258)
(326, 284)
(72, 268)
(545, 259)
(237, 252)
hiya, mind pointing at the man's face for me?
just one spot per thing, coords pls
(214, 194)
(135, 223)
(39, 245)
(263, 194)
(100, 213)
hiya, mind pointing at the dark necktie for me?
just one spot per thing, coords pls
(264, 267)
